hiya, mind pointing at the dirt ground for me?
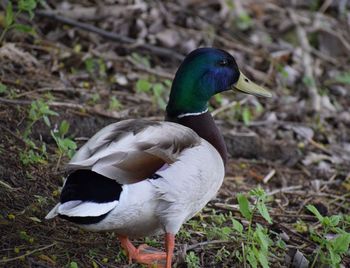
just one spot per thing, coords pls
(89, 61)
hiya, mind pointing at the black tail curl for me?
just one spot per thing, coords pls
(87, 185)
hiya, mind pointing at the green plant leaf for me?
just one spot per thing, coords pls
(73, 264)
(314, 211)
(258, 192)
(343, 78)
(251, 258)
(334, 220)
(137, 58)
(244, 206)
(263, 211)
(102, 68)
(218, 98)
(244, 21)
(64, 127)
(89, 65)
(28, 6)
(340, 244)
(192, 260)
(263, 238)
(94, 264)
(335, 258)
(237, 226)
(143, 85)
(168, 83)
(246, 116)
(158, 89)
(281, 244)
(114, 104)
(47, 120)
(9, 15)
(24, 28)
(263, 259)
(3, 88)
(68, 143)
(161, 103)
(226, 231)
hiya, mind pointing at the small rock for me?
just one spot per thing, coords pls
(284, 236)
(295, 259)
(271, 117)
(303, 131)
(330, 45)
(189, 45)
(338, 90)
(121, 79)
(316, 185)
(168, 37)
(344, 117)
(326, 104)
(324, 167)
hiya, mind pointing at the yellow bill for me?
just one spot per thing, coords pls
(247, 86)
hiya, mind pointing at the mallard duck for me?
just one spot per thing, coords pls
(141, 178)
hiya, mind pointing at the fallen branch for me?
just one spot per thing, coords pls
(269, 176)
(284, 190)
(7, 186)
(27, 254)
(114, 115)
(205, 243)
(109, 35)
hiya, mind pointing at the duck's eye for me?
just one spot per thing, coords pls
(223, 62)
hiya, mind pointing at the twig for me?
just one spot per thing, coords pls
(113, 115)
(306, 193)
(269, 176)
(109, 35)
(319, 146)
(326, 4)
(18, 102)
(4, 184)
(53, 103)
(285, 190)
(27, 254)
(307, 62)
(206, 243)
(228, 106)
(325, 57)
(52, 89)
(223, 108)
(290, 230)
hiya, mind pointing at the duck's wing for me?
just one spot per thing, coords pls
(132, 150)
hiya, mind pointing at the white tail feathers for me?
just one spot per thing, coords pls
(78, 208)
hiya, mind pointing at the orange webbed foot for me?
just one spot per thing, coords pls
(144, 254)
(150, 255)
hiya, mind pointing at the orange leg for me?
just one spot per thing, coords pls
(143, 254)
(169, 248)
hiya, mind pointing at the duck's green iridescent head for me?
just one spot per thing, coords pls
(204, 73)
